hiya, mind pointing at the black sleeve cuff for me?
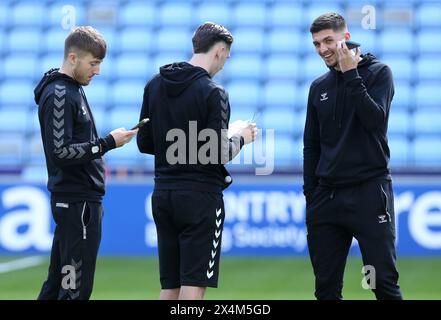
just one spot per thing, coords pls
(107, 143)
(242, 142)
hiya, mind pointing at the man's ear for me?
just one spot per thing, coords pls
(347, 35)
(72, 58)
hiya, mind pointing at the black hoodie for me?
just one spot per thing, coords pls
(181, 101)
(345, 139)
(72, 147)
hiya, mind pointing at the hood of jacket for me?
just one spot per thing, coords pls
(176, 77)
(48, 77)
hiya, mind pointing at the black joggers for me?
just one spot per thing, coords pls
(74, 250)
(334, 217)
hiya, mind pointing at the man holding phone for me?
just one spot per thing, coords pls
(347, 182)
(75, 166)
(187, 201)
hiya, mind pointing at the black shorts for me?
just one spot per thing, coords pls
(189, 226)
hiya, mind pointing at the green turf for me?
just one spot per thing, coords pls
(240, 278)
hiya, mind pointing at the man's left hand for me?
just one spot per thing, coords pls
(346, 59)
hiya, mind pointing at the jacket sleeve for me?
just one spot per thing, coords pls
(144, 139)
(218, 119)
(311, 148)
(371, 108)
(61, 146)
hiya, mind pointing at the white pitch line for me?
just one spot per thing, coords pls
(21, 264)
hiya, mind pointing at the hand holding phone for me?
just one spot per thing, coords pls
(351, 44)
(141, 123)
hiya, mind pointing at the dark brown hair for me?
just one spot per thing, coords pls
(85, 39)
(208, 34)
(330, 20)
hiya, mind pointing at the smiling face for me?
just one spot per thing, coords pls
(325, 43)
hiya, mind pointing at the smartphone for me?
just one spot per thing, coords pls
(141, 123)
(351, 44)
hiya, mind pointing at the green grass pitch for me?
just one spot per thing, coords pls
(240, 278)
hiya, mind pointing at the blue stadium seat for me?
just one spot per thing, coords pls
(12, 148)
(112, 38)
(426, 44)
(277, 94)
(427, 94)
(244, 113)
(244, 94)
(285, 41)
(124, 117)
(16, 93)
(402, 66)
(2, 41)
(403, 97)
(107, 69)
(428, 67)
(98, 94)
(315, 8)
(128, 156)
(23, 40)
(313, 67)
(286, 15)
(397, 40)
(20, 66)
(4, 14)
(428, 121)
(400, 149)
(139, 14)
(214, 12)
(244, 66)
(135, 66)
(128, 92)
(176, 14)
(53, 40)
(302, 101)
(428, 14)
(102, 123)
(281, 120)
(35, 151)
(248, 40)
(47, 62)
(66, 14)
(250, 15)
(174, 40)
(30, 14)
(286, 150)
(396, 15)
(13, 120)
(33, 125)
(368, 39)
(136, 40)
(282, 66)
(427, 151)
(399, 122)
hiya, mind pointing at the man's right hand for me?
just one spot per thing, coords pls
(248, 132)
(122, 136)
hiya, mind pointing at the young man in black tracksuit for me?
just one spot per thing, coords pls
(75, 166)
(347, 182)
(187, 133)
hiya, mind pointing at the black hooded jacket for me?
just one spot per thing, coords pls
(181, 102)
(345, 139)
(72, 147)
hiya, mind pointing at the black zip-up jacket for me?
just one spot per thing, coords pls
(183, 97)
(345, 139)
(72, 147)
